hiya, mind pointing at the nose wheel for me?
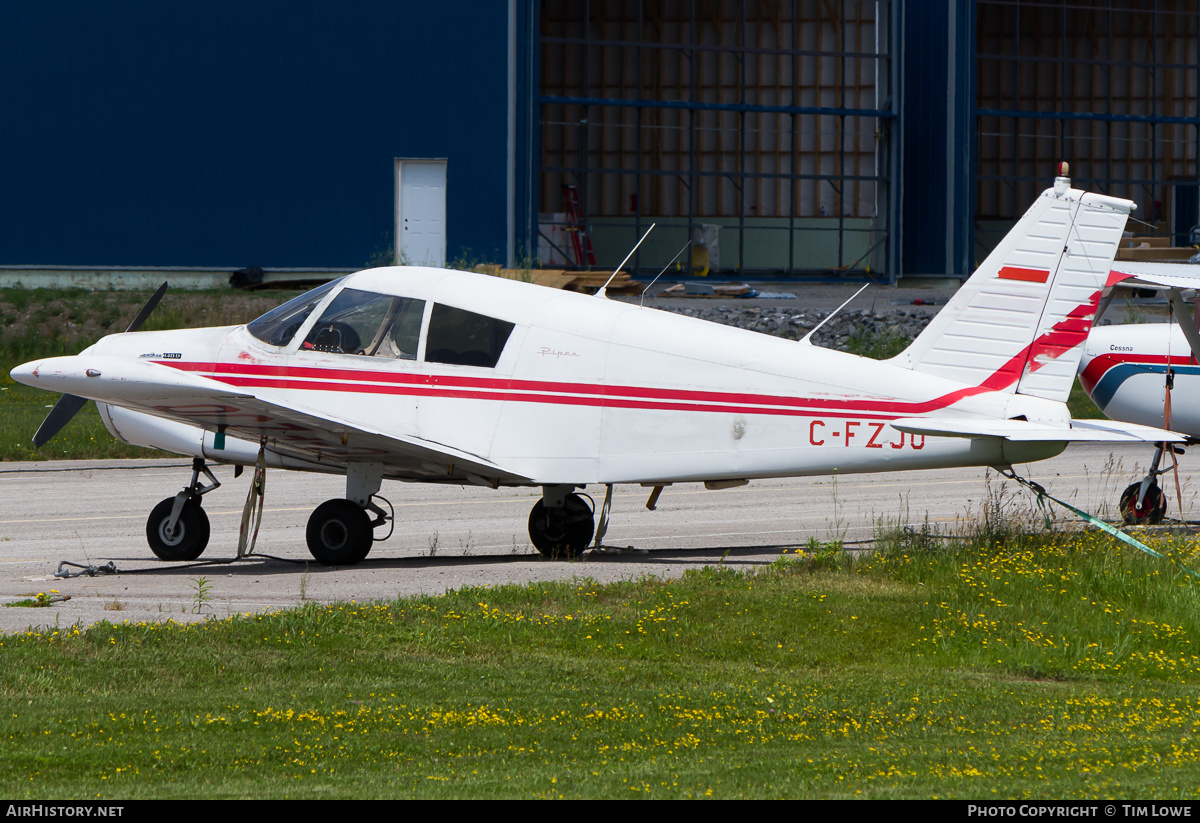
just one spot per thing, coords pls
(1147, 509)
(177, 528)
(1144, 503)
(184, 540)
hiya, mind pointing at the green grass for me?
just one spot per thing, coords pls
(1081, 406)
(879, 345)
(22, 410)
(1005, 666)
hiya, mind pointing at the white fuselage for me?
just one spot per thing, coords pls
(587, 390)
(1124, 370)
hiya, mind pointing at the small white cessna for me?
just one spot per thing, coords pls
(426, 375)
(1148, 373)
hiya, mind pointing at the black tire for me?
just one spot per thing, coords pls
(1153, 507)
(190, 537)
(564, 534)
(339, 533)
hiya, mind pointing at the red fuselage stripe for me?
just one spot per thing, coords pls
(554, 399)
(433, 385)
(1063, 336)
(1101, 363)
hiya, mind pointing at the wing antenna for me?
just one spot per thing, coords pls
(664, 269)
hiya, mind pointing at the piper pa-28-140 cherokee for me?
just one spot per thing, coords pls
(426, 375)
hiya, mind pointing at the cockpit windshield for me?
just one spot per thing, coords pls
(280, 324)
(369, 324)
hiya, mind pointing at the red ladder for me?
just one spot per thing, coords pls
(581, 241)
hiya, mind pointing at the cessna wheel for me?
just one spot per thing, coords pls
(190, 536)
(1154, 505)
(339, 533)
(562, 533)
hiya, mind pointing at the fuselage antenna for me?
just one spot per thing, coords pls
(808, 337)
(623, 262)
(664, 269)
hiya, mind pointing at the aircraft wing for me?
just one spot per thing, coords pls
(1173, 278)
(1024, 430)
(1158, 275)
(290, 428)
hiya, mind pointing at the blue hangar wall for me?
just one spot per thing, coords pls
(257, 133)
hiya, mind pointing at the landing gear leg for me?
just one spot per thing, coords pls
(177, 528)
(363, 481)
(605, 509)
(1144, 502)
(561, 523)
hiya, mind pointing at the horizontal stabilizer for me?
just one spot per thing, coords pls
(1080, 431)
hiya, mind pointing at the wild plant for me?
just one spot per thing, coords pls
(202, 596)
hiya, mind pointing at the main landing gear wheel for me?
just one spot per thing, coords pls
(1154, 505)
(562, 533)
(339, 533)
(187, 540)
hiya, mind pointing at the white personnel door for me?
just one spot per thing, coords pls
(421, 211)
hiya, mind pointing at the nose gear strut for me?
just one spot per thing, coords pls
(177, 528)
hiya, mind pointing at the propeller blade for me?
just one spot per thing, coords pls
(146, 309)
(66, 408)
(69, 405)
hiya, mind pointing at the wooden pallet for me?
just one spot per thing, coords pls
(582, 281)
(590, 282)
(1152, 249)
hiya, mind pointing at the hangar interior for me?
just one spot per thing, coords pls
(851, 138)
(1111, 88)
(763, 119)
(806, 139)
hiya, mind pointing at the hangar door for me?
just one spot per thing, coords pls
(421, 211)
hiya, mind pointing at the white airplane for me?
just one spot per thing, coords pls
(1148, 373)
(426, 375)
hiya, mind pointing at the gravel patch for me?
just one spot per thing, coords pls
(794, 324)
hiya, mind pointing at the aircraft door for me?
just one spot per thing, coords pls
(468, 360)
(358, 361)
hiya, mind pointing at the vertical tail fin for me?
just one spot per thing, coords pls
(1019, 323)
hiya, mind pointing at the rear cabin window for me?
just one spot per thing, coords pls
(465, 338)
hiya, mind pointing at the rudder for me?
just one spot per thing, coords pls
(1019, 323)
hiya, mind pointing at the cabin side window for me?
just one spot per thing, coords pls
(368, 324)
(465, 338)
(402, 332)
